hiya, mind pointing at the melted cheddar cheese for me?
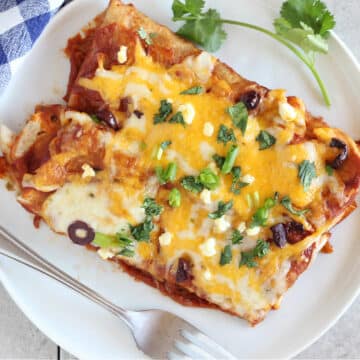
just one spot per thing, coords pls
(110, 200)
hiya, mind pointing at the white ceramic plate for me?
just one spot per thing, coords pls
(310, 307)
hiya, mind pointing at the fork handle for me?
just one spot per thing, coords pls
(13, 248)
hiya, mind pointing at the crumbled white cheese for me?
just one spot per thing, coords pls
(208, 129)
(287, 112)
(208, 247)
(221, 225)
(241, 227)
(88, 171)
(165, 238)
(253, 231)
(106, 253)
(188, 112)
(122, 54)
(202, 65)
(249, 179)
(205, 196)
(207, 275)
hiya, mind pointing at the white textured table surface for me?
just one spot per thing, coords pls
(19, 339)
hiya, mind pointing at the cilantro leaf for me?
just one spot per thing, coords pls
(192, 183)
(303, 36)
(206, 29)
(239, 116)
(178, 118)
(151, 207)
(142, 231)
(307, 173)
(226, 255)
(237, 184)
(192, 7)
(196, 90)
(313, 13)
(225, 135)
(265, 139)
(261, 249)
(223, 207)
(219, 160)
(286, 203)
(236, 237)
(163, 112)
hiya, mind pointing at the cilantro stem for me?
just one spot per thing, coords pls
(277, 37)
(298, 53)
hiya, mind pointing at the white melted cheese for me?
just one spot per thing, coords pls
(86, 202)
(148, 76)
(134, 122)
(138, 92)
(206, 151)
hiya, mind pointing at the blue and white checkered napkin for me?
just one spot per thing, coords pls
(21, 23)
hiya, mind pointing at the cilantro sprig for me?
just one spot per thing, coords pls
(303, 27)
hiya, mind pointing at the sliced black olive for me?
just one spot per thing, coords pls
(339, 160)
(183, 270)
(251, 99)
(108, 118)
(81, 233)
(279, 235)
(138, 113)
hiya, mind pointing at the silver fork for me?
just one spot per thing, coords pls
(159, 334)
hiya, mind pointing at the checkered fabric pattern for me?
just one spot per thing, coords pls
(21, 23)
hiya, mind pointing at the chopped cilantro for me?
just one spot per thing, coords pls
(151, 207)
(163, 112)
(223, 207)
(286, 203)
(141, 232)
(178, 118)
(261, 249)
(226, 255)
(236, 237)
(225, 135)
(237, 184)
(196, 90)
(239, 116)
(219, 160)
(192, 183)
(265, 139)
(307, 173)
